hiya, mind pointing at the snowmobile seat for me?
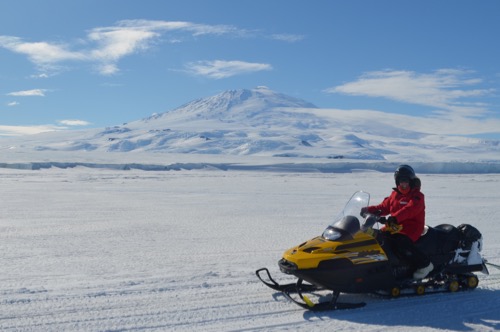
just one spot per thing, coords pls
(440, 242)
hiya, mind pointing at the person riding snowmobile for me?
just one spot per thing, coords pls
(406, 207)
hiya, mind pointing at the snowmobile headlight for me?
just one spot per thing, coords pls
(331, 234)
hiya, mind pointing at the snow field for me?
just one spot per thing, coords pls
(102, 250)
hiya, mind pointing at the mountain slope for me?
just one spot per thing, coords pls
(262, 122)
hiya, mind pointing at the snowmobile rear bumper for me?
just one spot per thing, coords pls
(462, 269)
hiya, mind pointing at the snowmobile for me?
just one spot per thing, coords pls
(354, 255)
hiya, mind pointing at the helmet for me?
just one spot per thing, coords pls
(404, 171)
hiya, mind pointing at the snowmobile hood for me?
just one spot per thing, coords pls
(361, 249)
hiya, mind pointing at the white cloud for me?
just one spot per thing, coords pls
(460, 126)
(193, 28)
(218, 69)
(132, 36)
(74, 123)
(444, 90)
(28, 93)
(27, 130)
(30, 130)
(107, 69)
(105, 46)
(287, 37)
(44, 55)
(39, 52)
(41, 75)
(12, 103)
(117, 43)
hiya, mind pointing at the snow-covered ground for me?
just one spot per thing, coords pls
(87, 249)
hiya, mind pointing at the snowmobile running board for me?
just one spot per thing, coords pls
(298, 287)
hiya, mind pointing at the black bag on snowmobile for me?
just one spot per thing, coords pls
(470, 234)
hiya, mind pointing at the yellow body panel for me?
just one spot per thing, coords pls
(361, 249)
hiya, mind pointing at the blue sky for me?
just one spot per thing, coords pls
(84, 63)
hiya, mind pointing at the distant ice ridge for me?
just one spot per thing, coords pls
(333, 167)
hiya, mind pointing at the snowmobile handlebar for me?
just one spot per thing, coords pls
(390, 223)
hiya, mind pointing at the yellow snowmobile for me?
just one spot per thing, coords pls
(356, 257)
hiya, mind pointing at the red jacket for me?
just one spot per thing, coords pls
(409, 210)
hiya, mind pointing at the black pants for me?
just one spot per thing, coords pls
(404, 247)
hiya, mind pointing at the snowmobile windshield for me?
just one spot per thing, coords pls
(346, 223)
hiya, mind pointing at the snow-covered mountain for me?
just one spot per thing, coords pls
(263, 123)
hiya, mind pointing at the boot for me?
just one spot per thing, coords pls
(423, 272)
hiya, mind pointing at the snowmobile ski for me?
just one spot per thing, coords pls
(300, 288)
(282, 288)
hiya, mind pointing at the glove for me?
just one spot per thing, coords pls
(392, 220)
(388, 221)
(363, 212)
(392, 223)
